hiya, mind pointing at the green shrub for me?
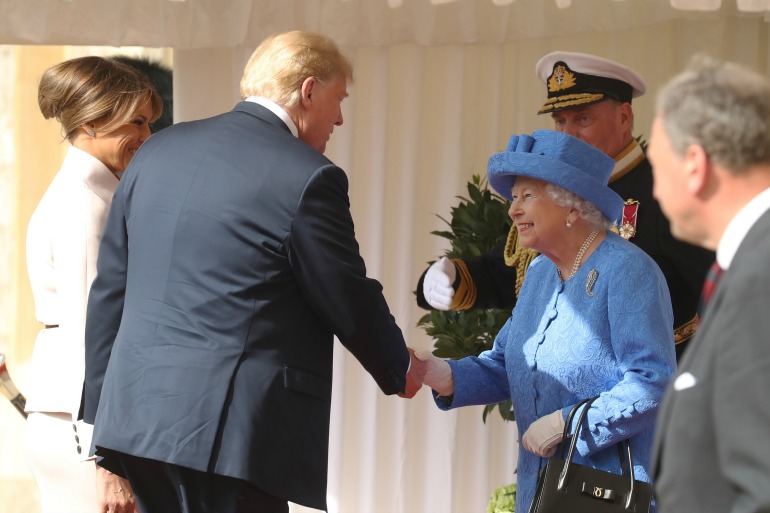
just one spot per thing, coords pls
(503, 500)
(478, 223)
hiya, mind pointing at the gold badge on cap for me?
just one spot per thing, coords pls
(560, 79)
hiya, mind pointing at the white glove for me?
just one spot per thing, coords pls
(437, 285)
(438, 373)
(544, 435)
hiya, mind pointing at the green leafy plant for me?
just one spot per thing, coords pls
(503, 500)
(477, 225)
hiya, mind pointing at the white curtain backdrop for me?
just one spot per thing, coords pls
(217, 23)
(420, 121)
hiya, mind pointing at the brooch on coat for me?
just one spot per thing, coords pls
(592, 276)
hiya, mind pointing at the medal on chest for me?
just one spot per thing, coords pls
(628, 224)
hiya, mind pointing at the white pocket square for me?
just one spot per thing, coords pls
(684, 381)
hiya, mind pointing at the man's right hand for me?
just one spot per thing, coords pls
(414, 378)
(437, 285)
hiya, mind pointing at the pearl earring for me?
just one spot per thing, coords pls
(569, 225)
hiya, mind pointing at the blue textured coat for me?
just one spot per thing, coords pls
(562, 345)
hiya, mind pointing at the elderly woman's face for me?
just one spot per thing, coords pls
(539, 220)
(116, 149)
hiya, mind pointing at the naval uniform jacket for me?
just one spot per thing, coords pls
(229, 263)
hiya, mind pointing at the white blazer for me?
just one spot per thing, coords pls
(62, 245)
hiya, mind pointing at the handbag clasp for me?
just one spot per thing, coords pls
(598, 492)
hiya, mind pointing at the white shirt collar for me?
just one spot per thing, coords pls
(277, 110)
(739, 226)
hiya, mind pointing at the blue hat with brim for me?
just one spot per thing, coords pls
(562, 160)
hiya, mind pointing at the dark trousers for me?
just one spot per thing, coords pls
(165, 488)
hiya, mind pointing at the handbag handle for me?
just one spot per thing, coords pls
(565, 471)
(566, 434)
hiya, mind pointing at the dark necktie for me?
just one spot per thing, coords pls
(709, 286)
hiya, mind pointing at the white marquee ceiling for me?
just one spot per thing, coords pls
(191, 24)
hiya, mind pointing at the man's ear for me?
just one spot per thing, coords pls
(697, 168)
(308, 86)
(626, 115)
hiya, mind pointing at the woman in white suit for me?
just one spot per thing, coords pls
(105, 109)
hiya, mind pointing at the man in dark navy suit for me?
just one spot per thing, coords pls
(229, 263)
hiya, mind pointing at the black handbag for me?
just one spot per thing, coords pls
(566, 487)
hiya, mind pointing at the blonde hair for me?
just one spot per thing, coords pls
(84, 90)
(282, 62)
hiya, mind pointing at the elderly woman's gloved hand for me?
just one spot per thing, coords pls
(544, 434)
(438, 374)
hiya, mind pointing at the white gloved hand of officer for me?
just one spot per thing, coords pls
(437, 285)
(544, 435)
(438, 373)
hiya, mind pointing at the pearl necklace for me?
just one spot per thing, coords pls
(581, 252)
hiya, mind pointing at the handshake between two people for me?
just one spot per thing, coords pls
(541, 437)
(429, 370)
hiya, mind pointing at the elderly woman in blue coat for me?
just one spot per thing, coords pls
(593, 318)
